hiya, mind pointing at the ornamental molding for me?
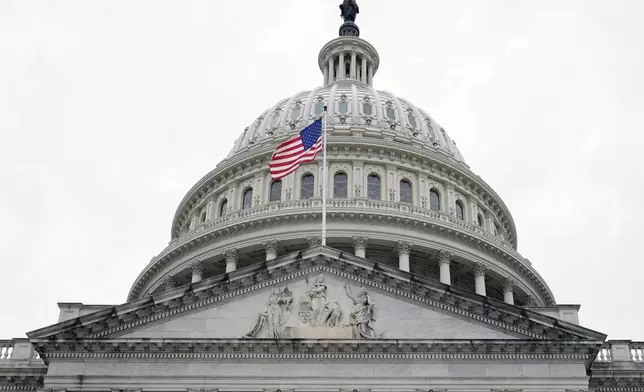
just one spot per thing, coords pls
(285, 212)
(404, 247)
(455, 173)
(360, 272)
(302, 349)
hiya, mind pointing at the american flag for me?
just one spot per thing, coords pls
(297, 150)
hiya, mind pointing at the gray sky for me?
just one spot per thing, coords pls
(111, 110)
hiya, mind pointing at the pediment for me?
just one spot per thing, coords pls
(275, 300)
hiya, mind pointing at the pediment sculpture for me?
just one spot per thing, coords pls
(317, 315)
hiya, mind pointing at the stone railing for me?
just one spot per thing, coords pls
(621, 351)
(17, 350)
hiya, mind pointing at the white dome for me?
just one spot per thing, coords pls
(353, 104)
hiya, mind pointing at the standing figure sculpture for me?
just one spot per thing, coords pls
(274, 317)
(323, 313)
(361, 315)
(348, 10)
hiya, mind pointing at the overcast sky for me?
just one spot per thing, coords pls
(111, 110)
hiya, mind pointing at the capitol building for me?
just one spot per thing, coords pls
(419, 286)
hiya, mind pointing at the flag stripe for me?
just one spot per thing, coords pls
(279, 171)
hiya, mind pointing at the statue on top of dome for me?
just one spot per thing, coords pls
(348, 10)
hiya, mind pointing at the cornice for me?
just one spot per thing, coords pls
(416, 217)
(436, 162)
(426, 292)
(296, 349)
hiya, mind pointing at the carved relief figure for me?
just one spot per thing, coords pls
(274, 317)
(362, 314)
(322, 312)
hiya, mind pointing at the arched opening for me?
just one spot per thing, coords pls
(276, 191)
(307, 187)
(223, 207)
(373, 187)
(341, 185)
(459, 210)
(247, 200)
(202, 217)
(434, 200)
(405, 191)
(479, 220)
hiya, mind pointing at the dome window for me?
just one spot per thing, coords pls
(373, 187)
(276, 190)
(202, 217)
(367, 108)
(412, 119)
(307, 187)
(319, 106)
(297, 111)
(459, 209)
(434, 200)
(405, 191)
(343, 107)
(389, 111)
(479, 220)
(223, 207)
(340, 185)
(247, 200)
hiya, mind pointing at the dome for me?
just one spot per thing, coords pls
(399, 193)
(351, 103)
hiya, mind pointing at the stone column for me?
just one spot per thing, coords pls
(479, 278)
(197, 271)
(341, 68)
(354, 69)
(444, 260)
(271, 249)
(363, 74)
(314, 242)
(508, 291)
(331, 69)
(326, 75)
(370, 76)
(232, 257)
(404, 248)
(360, 246)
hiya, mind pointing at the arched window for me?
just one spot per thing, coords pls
(405, 191)
(373, 187)
(434, 200)
(319, 106)
(247, 201)
(367, 108)
(340, 185)
(497, 229)
(479, 219)
(307, 188)
(276, 190)
(459, 209)
(202, 217)
(223, 207)
(412, 120)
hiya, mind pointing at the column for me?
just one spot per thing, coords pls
(360, 246)
(354, 69)
(197, 271)
(508, 291)
(479, 278)
(444, 260)
(325, 72)
(341, 68)
(271, 249)
(331, 68)
(404, 248)
(363, 74)
(232, 257)
(370, 76)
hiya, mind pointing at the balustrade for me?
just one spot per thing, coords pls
(17, 350)
(6, 348)
(635, 352)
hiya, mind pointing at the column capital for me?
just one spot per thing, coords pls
(444, 257)
(314, 241)
(479, 269)
(197, 267)
(508, 284)
(360, 242)
(231, 255)
(404, 247)
(271, 245)
(169, 282)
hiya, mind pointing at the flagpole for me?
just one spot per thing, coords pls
(324, 180)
